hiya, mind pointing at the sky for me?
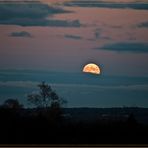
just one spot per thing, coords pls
(52, 40)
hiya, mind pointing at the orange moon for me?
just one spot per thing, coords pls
(92, 68)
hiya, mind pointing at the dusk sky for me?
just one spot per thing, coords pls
(52, 40)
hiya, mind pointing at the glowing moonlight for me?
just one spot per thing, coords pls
(91, 68)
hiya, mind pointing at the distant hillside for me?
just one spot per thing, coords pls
(93, 114)
(88, 114)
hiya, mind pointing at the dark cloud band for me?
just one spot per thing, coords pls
(28, 13)
(126, 47)
(102, 4)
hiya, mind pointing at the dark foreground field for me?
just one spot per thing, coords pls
(28, 126)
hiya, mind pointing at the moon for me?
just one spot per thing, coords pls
(92, 68)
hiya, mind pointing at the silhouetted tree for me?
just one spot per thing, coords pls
(49, 101)
(35, 99)
(55, 106)
(12, 104)
(46, 97)
(131, 120)
(10, 110)
(43, 98)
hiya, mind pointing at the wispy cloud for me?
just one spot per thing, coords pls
(143, 25)
(75, 37)
(99, 35)
(126, 47)
(105, 4)
(29, 13)
(20, 34)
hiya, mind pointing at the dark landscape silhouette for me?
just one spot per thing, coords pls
(49, 122)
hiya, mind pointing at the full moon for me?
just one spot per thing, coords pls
(91, 68)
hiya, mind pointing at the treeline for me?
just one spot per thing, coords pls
(20, 125)
(46, 128)
(47, 123)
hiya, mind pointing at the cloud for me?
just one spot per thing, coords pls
(68, 78)
(73, 37)
(143, 25)
(21, 34)
(77, 88)
(98, 35)
(26, 9)
(29, 13)
(137, 87)
(31, 84)
(42, 22)
(103, 4)
(23, 84)
(126, 47)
